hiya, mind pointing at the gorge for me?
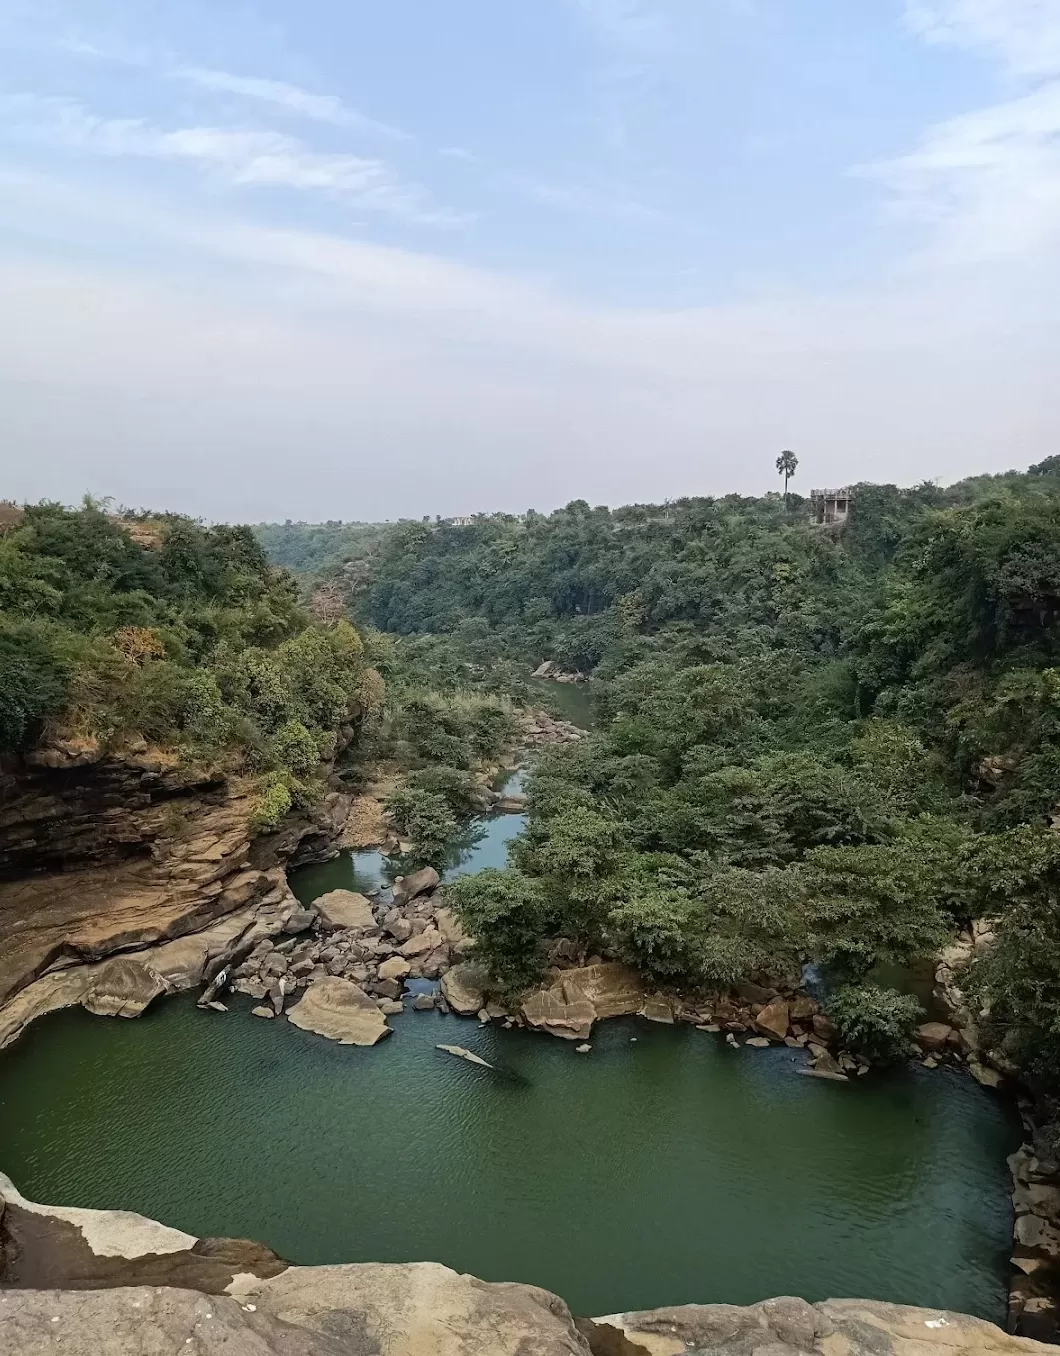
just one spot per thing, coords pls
(750, 804)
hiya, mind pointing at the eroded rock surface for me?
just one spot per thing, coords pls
(788, 1327)
(345, 909)
(577, 998)
(104, 854)
(341, 1011)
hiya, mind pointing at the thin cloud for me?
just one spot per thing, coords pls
(634, 25)
(243, 157)
(611, 201)
(1024, 33)
(987, 182)
(290, 99)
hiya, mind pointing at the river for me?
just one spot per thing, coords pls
(664, 1167)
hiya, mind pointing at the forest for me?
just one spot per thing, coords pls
(817, 745)
(120, 628)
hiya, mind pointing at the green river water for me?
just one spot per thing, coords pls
(662, 1169)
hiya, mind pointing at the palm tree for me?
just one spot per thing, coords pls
(786, 465)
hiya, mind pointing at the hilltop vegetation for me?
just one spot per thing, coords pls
(812, 745)
(114, 629)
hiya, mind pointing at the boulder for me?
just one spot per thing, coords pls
(802, 1008)
(423, 1002)
(658, 1010)
(122, 988)
(613, 989)
(933, 1036)
(759, 1042)
(773, 1020)
(418, 883)
(262, 1012)
(400, 929)
(345, 909)
(464, 988)
(755, 993)
(824, 1028)
(394, 968)
(449, 926)
(563, 1010)
(421, 944)
(299, 920)
(341, 1011)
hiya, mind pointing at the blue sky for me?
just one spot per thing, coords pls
(339, 259)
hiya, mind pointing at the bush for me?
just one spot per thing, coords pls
(274, 801)
(875, 1022)
(426, 819)
(507, 914)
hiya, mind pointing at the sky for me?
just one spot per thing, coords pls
(320, 259)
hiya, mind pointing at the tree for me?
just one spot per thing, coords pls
(787, 463)
(874, 1021)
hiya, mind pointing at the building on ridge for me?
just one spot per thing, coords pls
(829, 508)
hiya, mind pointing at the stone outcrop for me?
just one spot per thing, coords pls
(792, 1327)
(341, 1011)
(464, 988)
(420, 882)
(114, 853)
(117, 987)
(576, 998)
(46, 1247)
(1034, 1294)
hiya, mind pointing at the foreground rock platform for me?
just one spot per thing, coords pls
(77, 1282)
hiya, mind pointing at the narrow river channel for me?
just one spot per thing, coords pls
(664, 1167)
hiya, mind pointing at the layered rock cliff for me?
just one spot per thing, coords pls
(117, 853)
(101, 1283)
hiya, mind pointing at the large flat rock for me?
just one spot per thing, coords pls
(790, 1327)
(345, 909)
(420, 1309)
(341, 1011)
(576, 998)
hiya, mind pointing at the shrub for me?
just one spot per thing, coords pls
(507, 914)
(873, 1021)
(426, 819)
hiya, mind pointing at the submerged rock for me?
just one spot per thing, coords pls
(461, 1053)
(341, 1011)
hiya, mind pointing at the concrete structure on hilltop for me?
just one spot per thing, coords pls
(829, 508)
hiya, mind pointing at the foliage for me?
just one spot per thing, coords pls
(824, 746)
(121, 626)
(424, 817)
(507, 914)
(875, 1022)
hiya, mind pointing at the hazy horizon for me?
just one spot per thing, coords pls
(352, 262)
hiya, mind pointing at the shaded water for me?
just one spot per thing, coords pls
(662, 1169)
(668, 1169)
(572, 701)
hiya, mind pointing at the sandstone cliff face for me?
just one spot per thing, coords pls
(103, 1283)
(106, 854)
